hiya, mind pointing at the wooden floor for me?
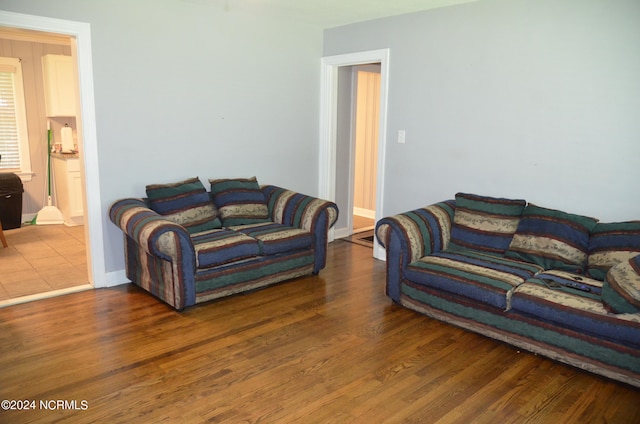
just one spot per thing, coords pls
(324, 349)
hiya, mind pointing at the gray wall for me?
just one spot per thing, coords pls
(525, 98)
(535, 99)
(185, 88)
(344, 133)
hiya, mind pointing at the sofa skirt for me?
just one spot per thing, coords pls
(252, 274)
(584, 351)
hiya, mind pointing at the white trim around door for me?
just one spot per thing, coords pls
(81, 49)
(328, 118)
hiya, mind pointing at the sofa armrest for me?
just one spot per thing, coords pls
(155, 234)
(298, 210)
(411, 235)
(621, 287)
(305, 212)
(159, 254)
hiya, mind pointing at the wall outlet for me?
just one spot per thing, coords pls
(401, 136)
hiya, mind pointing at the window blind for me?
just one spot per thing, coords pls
(9, 135)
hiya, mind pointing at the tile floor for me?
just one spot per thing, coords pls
(42, 258)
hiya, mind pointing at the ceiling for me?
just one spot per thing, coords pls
(329, 13)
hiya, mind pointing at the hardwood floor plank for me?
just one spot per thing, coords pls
(330, 348)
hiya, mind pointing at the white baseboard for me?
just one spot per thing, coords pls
(341, 232)
(364, 213)
(116, 278)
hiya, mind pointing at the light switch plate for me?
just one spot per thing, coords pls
(401, 136)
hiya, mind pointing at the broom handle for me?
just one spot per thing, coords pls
(49, 157)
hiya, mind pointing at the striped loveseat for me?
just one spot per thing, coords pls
(186, 245)
(557, 284)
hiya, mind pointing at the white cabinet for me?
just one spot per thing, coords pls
(68, 185)
(59, 85)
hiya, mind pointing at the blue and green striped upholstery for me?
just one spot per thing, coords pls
(305, 212)
(484, 277)
(484, 223)
(552, 239)
(159, 254)
(576, 309)
(563, 315)
(183, 269)
(239, 201)
(610, 356)
(186, 203)
(274, 238)
(555, 279)
(411, 235)
(611, 244)
(237, 277)
(621, 288)
(423, 230)
(219, 247)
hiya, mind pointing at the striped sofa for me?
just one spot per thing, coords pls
(556, 284)
(184, 259)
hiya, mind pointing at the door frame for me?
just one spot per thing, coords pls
(80, 33)
(328, 127)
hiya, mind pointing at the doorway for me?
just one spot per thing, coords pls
(364, 142)
(46, 258)
(81, 50)
(331, 167)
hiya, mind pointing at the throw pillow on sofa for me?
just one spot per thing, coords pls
(240, 201)
(621, 287)
(485, 223)
(611, 244)
(186, 203)
(552, 239)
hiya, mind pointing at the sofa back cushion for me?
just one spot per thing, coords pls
(186, 203)
(485, 223)
(621, 287)
(611, 244)
(552, 239)
(240, 201)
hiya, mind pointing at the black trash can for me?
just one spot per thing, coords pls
(10, 200)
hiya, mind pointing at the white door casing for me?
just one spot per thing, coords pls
(80, 33)
(328, 118)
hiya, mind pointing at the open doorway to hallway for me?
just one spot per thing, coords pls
(335, 154)
(357, 129)
(364, 145)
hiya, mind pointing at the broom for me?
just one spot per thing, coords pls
(49, 214)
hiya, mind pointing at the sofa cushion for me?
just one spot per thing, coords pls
(485, 223)
(239, 201)
(570, 308)
(621, 287)
(484, 277)
(276, 238)
(552, 239)
(556, 278)
(222, 246)
(186, 203)
(610, 244)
